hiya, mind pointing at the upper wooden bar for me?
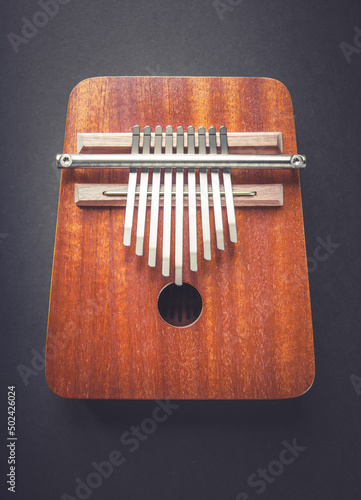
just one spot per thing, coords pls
(238, 142)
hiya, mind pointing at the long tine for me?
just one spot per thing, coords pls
(179, 209)
(203, 182)
(132, 182)
(192, 203)
(217, 207)
(167, 206)
(154, 208)
(142, 206)
(227, 181)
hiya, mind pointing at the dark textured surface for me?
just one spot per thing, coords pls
(204, 450)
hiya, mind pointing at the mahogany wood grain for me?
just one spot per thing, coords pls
(106, 338)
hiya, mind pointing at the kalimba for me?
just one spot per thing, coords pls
(180, 267)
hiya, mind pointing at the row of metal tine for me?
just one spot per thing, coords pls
(179, 199)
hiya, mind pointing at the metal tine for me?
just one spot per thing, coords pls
(154, 208)
(227, 181)
(203, 181)
(192, 203)
(143, 189)
(216, 192)
(167, 205)
(132, 182)
(179, 209)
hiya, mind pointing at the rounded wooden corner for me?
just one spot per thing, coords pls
(55, 389)
(280, 84)
(83, 82)
(310, 384)
(281, 88)
(86, 82)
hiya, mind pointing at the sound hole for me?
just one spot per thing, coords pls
(180, 305)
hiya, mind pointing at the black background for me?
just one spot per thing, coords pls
(205, 450)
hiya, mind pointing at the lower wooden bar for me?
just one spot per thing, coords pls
(92, 195)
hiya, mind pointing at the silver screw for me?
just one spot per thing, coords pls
(296, 161)
(66, 161)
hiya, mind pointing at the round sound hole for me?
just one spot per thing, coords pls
(180, 305)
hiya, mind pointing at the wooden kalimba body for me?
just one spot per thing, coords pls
(180, 266)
